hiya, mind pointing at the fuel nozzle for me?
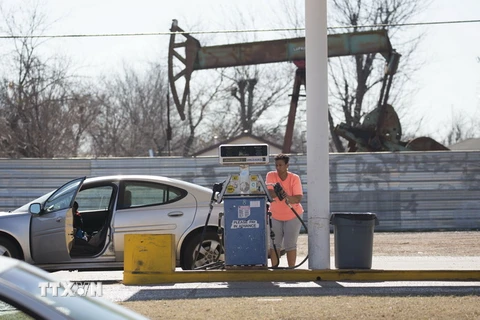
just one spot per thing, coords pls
(217, 187)
(281, 194)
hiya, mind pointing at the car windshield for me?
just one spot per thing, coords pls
(41, 200)
(74, 306)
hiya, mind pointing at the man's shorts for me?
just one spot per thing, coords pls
(286, 234)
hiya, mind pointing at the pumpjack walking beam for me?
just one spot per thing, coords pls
(195, 57)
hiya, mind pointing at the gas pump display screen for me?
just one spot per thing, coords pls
(231, 154)
(254, 150)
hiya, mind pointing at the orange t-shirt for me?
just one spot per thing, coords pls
(293, 187)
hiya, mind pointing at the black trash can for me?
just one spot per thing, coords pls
(353, 238)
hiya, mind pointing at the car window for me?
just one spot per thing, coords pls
(97, 198)
(7, 311)
(25, 207)
(76, 306)
(139, 193)
(62, 198)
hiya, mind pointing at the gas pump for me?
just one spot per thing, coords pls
(245, 197)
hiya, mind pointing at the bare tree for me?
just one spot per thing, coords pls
(257, 89)
(36, 99)
(106, 133)
(198, 104)
(85, 106)
(251, 98)
(354, 81)
(461, 128)
(249, 95)
(354, 78)
(133, 117)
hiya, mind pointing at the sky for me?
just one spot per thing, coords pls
(446, 85)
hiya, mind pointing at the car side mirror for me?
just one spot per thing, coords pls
(35, 208)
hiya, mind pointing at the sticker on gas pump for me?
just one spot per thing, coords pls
(255, 204)
(243, 211)
(245, 224)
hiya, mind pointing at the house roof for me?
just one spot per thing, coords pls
(232, 140)
(467, 144)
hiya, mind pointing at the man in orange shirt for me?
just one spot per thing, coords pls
(285, 223)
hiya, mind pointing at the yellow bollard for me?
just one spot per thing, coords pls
(147, 255)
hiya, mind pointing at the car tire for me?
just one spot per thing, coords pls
(211, 253)
(9, 249)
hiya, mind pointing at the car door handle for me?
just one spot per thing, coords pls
(175, 214)
(58, 219)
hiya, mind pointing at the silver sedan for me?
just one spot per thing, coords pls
(42, 231)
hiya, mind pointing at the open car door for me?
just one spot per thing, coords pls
(51, 230)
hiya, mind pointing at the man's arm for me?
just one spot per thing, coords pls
(272, 193)
(297, 191)
(270, 185)
(294, 199)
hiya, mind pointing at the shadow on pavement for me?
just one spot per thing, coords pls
(294, 289)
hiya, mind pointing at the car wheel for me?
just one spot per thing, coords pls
(9, 249)
(211, 251)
